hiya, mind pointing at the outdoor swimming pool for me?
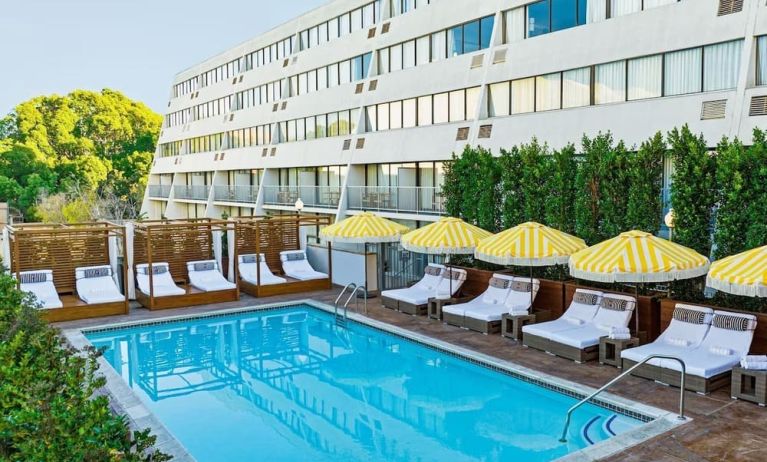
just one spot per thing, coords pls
(286, 384)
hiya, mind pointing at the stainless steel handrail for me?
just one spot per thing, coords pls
(351, 285)
(681, 416)
(357, 300)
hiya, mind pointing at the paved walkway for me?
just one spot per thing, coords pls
(722, 430)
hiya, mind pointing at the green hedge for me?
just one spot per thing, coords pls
(48, 404)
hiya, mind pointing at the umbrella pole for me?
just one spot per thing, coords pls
(636, 308)
(532, 286)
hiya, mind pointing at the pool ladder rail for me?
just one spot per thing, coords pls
(563, 438)
(341, 320)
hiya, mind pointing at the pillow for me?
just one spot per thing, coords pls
(521, 286)
(295, 256)
(432, 271)
(249, 258)
(689, 316)
(454, 275)
(614, 304)
(720, 351)
(499, 283)
(575, 321)
(33, 278)
(585, 299)
(205, 266)
(732, 322)
(97, 272)
(680, 342)
(156, 269)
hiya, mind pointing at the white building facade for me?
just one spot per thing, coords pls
(355, 105)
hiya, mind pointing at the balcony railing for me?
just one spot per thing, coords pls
(420, 200)
(240, 194)
(197, 192)
(159, 190)
(311, 196)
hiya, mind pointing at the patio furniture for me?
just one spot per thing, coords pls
(749, 385)
(498, 289)
(95, 285)
(511, 325)
(162, 283)
(296, 266)
(253, 269)
(40, 284)
(205, 275)
(487, 319)
(610, 350)
(582, 309)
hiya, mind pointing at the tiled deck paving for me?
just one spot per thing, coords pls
(722, 430)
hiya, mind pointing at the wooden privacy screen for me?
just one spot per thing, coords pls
(61, 248)
(175, 243)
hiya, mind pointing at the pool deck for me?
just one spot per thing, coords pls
(722, 429)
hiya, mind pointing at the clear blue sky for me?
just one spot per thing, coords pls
(134, 46)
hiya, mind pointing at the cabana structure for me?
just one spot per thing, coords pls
(178, 263)
(272, 243)
(76, 267)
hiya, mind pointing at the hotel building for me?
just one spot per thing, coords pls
(355, 105)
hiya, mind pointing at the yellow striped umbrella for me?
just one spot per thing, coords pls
(638, 257)
(741, 274)
(364, 228)
(448, 236)
(529, 244)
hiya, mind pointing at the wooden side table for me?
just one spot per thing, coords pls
(749, 385)
(434, 309)
(511, 325)
(610, 350)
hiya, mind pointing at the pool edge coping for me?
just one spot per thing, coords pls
(661, 421)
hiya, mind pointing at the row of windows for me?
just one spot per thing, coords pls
(454, 106)
(349, 22)
(262, 94)
(205, 143)
(246, 137)
(269, 54)
(219, 73)
(171, 149)
(710, 68)
(185, 87)
(321, 126)
(350, 70)
(245, 177)
(333, 175)
(213, 108)
(464, 38)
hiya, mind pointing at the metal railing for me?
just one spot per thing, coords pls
(192, 192)
(563, 438)
(425, 200)
(240, 194)
(159, 190)
(311, 196)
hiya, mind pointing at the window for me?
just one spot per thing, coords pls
(471, 37)
(486, 31)
(383, 117)
(383, 61)
(438, 46)
(721, 65)
(610, 82)
(761, 60)
(422, 51)
(623, 7)
(455, 41)
(522, 96)
(395, 58)
(548, 92)
(498, 100)
(576, 87)
(345, 72)
(409, 113)
(682, 72)
(424, 111)
(344, 123)
(440, 114)
(372, 118)
(395, 115)
(333, 124)
(538, 19)
(408, 54)
(472, 102)
(457, 106)
(515, 25)
(645, 77)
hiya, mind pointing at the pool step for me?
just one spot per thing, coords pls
(600, 428)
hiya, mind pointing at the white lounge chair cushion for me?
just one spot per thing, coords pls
(582, 337)
(162, 280)
(412, 295)
(207, 280)
(547, 329)
(40, 284)
(606, 317)
(249, 270)
(448, 286)
(577, 315)
(656, 348)
(490, 313)
(296, 266)
(95, 285)
(497, 295)
(519, 301)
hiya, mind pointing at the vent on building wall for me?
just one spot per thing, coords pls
(499, 57)
(347, 144)
(284, 105)
(285, 63)
(223, 154)
(463, 134)
(713, 109)
(265, 152)
(385, 28)
(485, 131)
(360, 143)
(231, 117)
(477, 61)
(295, 59)
(215, 158)
(274, 152)
(373, 85)
(240, 80)
(758, 106)
(372, 33)
(729, 7)
(234, 81)
(359, 88)
(275, 107)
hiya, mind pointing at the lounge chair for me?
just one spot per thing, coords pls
(162, 280)
(581, 344)
(95, 285)
(438, 282)
(40, 284)
(249, 265)
(582, 309)
(709, 365)
(296, 266)
(498, 289)
(205, 276)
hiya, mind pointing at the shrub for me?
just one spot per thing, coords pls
(645, 205)
(560, 204)
(50, 411)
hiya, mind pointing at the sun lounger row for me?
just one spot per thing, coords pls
(438, 282)
(504, 295)
(94, 285)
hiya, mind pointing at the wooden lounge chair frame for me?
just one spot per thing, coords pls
(178, 242)
(63, 248)
(271, 236)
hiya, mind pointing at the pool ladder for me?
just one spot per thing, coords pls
(341, 320)
(563, 438)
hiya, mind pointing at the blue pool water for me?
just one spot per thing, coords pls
(288, 385)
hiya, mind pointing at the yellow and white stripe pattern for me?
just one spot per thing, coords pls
(448, 236)
(529, 244)
(741, 274)
(364, 228)
(638, 257)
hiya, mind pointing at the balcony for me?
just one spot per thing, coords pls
(312, 196)
(197, 192)
(239, 194)
(160, 191)
(419, 200)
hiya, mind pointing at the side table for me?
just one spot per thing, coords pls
(511, 325)
(749, 385)
(610, 350)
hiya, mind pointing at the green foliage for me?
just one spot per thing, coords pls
(645, 176)
(471, 188)
(510, 164)
(560, 203)
(47, 395)
(533, 176)
(85, 140)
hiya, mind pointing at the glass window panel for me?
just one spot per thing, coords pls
(344, 24)
(354, 117)
(311, 128)
(322, 78)
(368, 15)
(332, 75)
(538, 19)
(312, 80)
(300, 129)
(345, 72)
(322, 34)
(564, 14)
(408, 54)
(372, 117)
(291, 130)
(333, 124)
(455, 41)
(576, 87)
(383, 61)
(682, 72)
(471, 38)
(623, 7)
(366, 58)
(498, 99)
(457, 106)
(761, 60)
(721, 66)
(486, 26)
(383, 117)
(357, 68)
(438, 46)
(645, 77)
(303, 84)
(395, 56)
(343, 123)
(441, 105)
(610, 83)
(356, 19)
(523, 96)
(322, 126)
(422, 51)
(424, 111)
(409, 113)
(548, 92)
(395, 115)
(333, 28)
(472, 102)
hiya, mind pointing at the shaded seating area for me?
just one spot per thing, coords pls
(73, 270)
(185, 257)
(710, 343)
(271, 260)
(438, 282)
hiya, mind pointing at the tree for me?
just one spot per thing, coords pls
(645, 205)
(510, 164)
(560, 205)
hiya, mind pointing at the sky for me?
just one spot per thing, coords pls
(133, 46)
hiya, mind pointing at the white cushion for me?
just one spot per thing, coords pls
(614, 318)
(99, 290)
(547, 329)
(656, 348)
(208, 280)
(411, 295)
(163, 283)
(582, 337)
(299, 269)
(486, 313)
(702, 363)
(248, 273)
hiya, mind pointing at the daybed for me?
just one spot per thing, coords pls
(162, 280)
(95, 285)
(205, 276)
(251, 265)
(296, 266)
(438, 282)
(40, 284)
